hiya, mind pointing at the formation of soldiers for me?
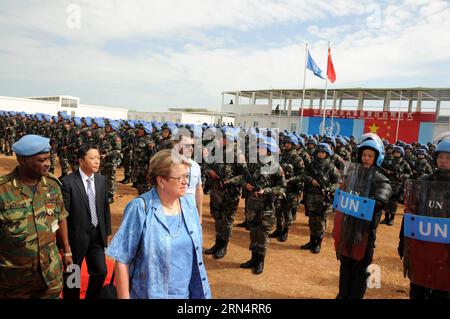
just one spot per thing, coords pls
(275, 173)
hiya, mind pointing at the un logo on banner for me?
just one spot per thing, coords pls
(329, 129)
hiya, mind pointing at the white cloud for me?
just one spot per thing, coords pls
(409, 40)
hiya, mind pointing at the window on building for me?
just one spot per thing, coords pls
(255, 124)
(273, 125)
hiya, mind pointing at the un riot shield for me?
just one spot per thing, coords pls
(427, 233)
(354, 211)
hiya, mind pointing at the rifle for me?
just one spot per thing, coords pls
(391, 173)
(322, 186)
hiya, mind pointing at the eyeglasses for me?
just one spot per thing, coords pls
(179, 179)
(187, 145)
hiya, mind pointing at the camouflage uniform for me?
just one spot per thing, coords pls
(30, 266)
(224, 199)
(64, 141)
(343, 153)
(261, 209)
(420, 167)
(127, 150)
(10, 136)
(287, 201)
(398, 171)
(143, 150)
(111, 148)
(316, 203)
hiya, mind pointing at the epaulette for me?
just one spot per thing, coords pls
(53, 177)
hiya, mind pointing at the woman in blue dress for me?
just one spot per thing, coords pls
(158, 247)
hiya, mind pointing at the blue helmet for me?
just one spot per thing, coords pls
(400, 150)
(312, 141)
(324, 147)
(408, 147)
(422, 152)
(443, 146)
(374, 142)
(330, 140)
(291, 138)
(301, 141)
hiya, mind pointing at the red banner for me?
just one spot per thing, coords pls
(369, 115)
(387, 129)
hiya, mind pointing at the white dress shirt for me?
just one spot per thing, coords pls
(84, 178)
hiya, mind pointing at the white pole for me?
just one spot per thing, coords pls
(303, 96)
(326, 95)
(279, 112)
(398, 119)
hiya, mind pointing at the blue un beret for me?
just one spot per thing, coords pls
(30, 145)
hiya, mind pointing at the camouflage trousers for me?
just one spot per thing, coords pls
(110, 174)
(2, 145)
(35, 287)
(8, 146)
(53, 161)
(64, 162)
(139, 176)
(261, 219)
(391, 207)
(283, 210)
(317, 223)
(127, 165)
(223, 209)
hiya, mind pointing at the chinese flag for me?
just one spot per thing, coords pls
(408, 131)
(330, 68)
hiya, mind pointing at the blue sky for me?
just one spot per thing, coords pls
(151, 55)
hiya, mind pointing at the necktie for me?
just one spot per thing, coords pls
(91, 197)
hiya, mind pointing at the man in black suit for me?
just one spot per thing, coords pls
(89, 222)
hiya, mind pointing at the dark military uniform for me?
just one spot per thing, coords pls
(30, 266)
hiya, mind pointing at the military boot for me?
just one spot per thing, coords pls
(276, 233)
(309, 244)
(214, 248)
(243, 224)
(294, 214)
(317, 245)
(222, 251)
(390, 222)
(250, 263)
(259, 267)
(284, 234)
(386, 218)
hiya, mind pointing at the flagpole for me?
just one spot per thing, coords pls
(303, 95)
(279, 111)
(326, 95)
(398, 119)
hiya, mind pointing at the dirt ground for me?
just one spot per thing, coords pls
(289, 272)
